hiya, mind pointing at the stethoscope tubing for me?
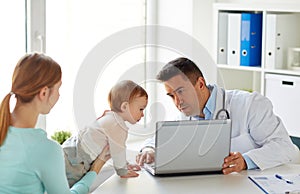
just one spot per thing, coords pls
(223, 109)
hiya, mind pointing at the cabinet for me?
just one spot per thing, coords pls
(284, 92)
(280, 52)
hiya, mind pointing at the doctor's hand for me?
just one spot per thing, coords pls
(234, 163)
(146, 156)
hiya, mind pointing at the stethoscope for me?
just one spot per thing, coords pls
(222, 110)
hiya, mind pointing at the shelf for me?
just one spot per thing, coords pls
(259, 69)
(250, 6)
(242, 68)
(283, 71)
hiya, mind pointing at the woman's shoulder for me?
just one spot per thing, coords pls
(38, 150)
(50, 145)
(41, 143)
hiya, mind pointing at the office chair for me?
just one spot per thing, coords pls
(296, 140)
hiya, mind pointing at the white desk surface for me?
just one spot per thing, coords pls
(232, 183)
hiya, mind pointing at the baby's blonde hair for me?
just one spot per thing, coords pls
(124, 91)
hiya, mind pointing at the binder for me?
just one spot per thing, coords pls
(282, 32)
(273, 47)
(251, 39)
(233, 44)
(222, 38)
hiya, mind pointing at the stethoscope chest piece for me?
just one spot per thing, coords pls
(223, 113)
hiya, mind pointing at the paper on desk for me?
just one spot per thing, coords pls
(272, 185)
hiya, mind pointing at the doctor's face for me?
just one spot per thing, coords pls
(184, 94)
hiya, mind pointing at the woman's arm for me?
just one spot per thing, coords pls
(51, 170)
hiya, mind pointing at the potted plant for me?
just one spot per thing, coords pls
(61, 136)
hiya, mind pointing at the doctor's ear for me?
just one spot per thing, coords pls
(201, 82)
(124, 106)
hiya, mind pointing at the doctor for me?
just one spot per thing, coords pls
(259, 139)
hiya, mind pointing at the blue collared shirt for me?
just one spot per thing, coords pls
(210, 105)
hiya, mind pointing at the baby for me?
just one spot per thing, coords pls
(127, 101)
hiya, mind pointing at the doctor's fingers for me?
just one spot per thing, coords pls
(230, 169)
(232, 156)
(236, 167)
(234, 159)
(140, 159)
(239, 161)
(137, 158)
(237, 164)
(149, 157)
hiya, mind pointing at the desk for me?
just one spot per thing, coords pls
(232, 183)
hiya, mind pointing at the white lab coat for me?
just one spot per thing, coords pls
(256, 130)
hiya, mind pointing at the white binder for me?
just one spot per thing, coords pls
(273, 46)
(282, 32)
(234, 40)
(222, 38)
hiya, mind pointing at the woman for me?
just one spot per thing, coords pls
(29, 162)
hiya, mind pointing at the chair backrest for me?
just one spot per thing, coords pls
(296, 141)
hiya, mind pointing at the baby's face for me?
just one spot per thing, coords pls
(136, 109)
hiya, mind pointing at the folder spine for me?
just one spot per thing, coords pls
(222, 37)
(251, 39)
(273, 49)
(233, 44)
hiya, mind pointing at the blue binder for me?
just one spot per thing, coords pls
(251, 39)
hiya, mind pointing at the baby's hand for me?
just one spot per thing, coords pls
(130, 174)
(133, 167)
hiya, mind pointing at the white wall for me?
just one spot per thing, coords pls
(259, 1)
(193, 17)
(203, 23)
(191, 25)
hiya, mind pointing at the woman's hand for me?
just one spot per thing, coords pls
(100, 160)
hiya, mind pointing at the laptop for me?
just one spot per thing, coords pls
(190, 147)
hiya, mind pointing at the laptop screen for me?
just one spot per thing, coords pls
(191, 146)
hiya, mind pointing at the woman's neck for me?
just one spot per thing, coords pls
(24, 116)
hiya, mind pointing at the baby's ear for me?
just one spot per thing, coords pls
(124, 106)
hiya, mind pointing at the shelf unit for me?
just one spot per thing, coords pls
(255, 78)
(256, 73)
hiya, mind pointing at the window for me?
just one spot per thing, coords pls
(81, 26)
(13, 40)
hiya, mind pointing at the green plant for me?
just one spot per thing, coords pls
(61, 136)
(247, 89)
